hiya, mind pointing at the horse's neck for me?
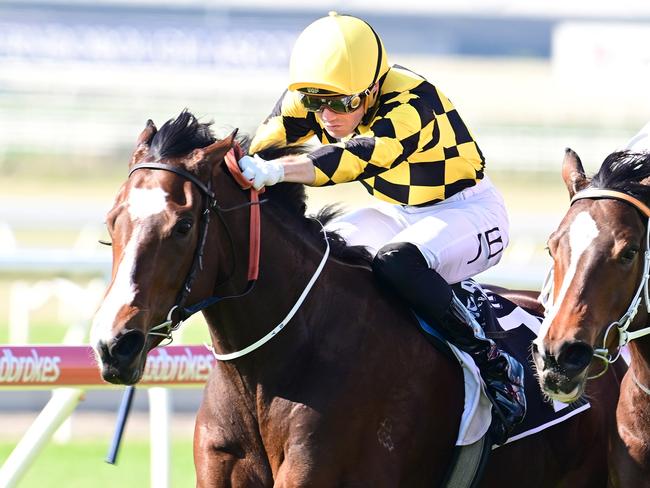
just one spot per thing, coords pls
(640, 359)
(287, 263)
(639, 350)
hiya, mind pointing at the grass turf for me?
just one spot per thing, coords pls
(81, 464)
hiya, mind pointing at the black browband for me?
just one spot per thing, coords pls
(174, 169)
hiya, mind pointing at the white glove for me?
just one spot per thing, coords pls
(261, 172)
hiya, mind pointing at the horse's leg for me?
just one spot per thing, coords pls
(219, 462)
(227, 449)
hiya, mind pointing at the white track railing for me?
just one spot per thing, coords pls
(69, 371)
(75, 302)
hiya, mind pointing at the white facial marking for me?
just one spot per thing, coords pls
(145, 202)
(141, 204)
(122, 293)
(582, 232)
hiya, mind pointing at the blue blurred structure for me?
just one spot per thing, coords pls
(235, 34)
(82, 76)
(236, 37)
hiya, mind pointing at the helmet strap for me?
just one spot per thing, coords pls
(368, 99)
(370, 102)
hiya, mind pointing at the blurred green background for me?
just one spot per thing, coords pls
(79, 79)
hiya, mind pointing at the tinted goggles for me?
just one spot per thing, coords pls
(341, 104)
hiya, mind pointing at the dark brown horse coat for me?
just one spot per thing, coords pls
(349, 394)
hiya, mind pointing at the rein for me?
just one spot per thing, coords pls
(624, 335)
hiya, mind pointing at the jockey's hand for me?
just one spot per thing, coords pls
(261, 172)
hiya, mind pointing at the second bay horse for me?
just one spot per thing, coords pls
(598, 302)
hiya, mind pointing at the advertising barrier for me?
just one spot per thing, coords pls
(54, 366)
(70, 370)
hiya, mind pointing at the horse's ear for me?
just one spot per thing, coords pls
(147, 133)
(215, 152)
(143, 142)
(573, 173)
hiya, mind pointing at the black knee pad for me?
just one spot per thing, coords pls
(396, 263)
(402, 267)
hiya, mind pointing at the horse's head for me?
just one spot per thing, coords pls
(599, 259)
(155, 228)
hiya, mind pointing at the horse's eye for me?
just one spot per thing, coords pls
(183, 226)
(629, 254)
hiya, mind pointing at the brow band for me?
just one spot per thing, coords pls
(612, 194)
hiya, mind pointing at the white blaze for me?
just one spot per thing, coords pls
(145, 202)
(582, 233)
(142, 203)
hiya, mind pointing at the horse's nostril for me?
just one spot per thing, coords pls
(575, 357)
(127, 346)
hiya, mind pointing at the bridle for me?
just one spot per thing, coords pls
(642, 293)
(179, 311)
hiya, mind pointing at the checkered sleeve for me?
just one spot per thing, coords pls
(289, 123)
(392, 136)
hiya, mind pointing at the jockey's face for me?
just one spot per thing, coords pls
(338, 124)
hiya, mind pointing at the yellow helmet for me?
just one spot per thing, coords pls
(337, 54)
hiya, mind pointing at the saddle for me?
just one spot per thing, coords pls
(513, 329)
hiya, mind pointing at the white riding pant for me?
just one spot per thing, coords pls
(459, 237)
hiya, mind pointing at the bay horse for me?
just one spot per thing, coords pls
(598, 301)
(350, 393)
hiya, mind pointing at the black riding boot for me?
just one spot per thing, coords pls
(405, 270)
(503, 375)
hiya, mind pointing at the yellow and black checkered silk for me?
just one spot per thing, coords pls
(414, 150)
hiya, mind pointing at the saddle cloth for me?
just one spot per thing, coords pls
(513, 329)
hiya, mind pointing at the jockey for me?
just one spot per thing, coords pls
(441, 219)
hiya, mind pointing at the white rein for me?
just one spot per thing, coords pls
(285, 321)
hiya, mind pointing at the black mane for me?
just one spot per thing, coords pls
(623, 171)
(179, 136)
